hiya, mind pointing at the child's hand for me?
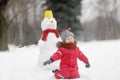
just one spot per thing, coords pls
(87, 65)
(48, 62)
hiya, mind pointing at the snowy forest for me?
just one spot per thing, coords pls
(28, 39)
(88, 19)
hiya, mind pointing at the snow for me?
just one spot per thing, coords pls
(21, 63)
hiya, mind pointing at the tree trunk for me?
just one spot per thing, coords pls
(3, 26)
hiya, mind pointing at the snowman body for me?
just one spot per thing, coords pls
(48, 46)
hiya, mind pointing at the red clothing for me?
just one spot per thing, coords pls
(68, 64)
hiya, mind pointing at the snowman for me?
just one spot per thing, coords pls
(50, 37)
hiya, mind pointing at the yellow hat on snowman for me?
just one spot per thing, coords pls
(48, 14)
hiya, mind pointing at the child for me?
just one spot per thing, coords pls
(68, 52)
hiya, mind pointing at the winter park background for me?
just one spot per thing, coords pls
(98, 36)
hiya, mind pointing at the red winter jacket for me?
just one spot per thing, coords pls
(68, 61)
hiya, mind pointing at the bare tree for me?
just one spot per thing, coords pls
(24, 21)
(3, 25)
(102, 23)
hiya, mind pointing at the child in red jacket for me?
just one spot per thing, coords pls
(67, 52)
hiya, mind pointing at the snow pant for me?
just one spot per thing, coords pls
(67, 73)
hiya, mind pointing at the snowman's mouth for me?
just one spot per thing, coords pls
(51, 26)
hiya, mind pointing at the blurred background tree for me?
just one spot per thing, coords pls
(24, 21)
(3, 26)
(98, 19)
(67, 13)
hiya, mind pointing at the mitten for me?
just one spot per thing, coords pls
(55, 70)
(48, 62)
(87, 65)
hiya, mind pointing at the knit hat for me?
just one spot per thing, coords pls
(66, 33)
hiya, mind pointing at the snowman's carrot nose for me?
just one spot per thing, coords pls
(51, 21)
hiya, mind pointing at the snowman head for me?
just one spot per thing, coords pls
(48, 22)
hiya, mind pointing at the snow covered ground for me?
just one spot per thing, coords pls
(21, 63)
